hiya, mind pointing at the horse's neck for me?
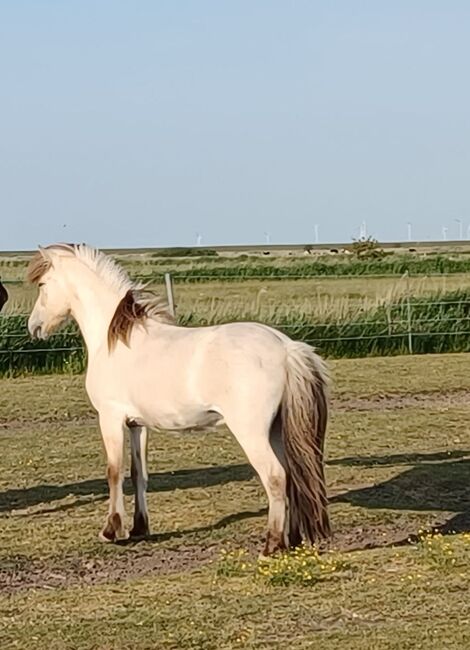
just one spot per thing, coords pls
(93, 307)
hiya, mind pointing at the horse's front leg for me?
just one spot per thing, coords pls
(112, 430)
(139, 477)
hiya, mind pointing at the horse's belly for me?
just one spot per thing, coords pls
(181, 420)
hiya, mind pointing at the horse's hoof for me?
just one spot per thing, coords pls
(105, 538)
(113, 531)
(139, 533)
(116, 536)
(141, 528)
(121, 535)
(275, 543)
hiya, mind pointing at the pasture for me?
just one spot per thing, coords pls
(398, 453)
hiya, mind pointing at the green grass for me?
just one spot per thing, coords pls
(402, 611)
(398, 462)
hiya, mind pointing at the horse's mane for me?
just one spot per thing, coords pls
(137, 306)
(138, 303)
(40, 264)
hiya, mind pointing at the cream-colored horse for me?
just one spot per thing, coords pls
(144, 371)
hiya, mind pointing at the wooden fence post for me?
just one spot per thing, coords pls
(409, 315)
(169, 293)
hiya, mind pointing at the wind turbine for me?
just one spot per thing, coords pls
(444, 233)
(267, 237)
(316, 233)
(409, 225)
(198, 239)
(460, 224)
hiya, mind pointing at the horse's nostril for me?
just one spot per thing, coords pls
(37, 332)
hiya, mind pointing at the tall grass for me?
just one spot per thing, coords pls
(63, 352)
(436, 323)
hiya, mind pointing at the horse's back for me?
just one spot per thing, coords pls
(242, 360)
(192, 351)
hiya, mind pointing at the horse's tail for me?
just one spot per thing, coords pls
(304, 415)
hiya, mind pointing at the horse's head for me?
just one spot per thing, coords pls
(52, 307)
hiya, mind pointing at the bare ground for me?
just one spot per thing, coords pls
(392, 401)
(146, 558)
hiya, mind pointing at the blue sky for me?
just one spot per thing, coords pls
(145, 123)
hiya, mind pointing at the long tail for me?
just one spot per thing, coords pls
(304, 412)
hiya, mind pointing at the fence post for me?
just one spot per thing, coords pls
(169, 293)
(408, 309)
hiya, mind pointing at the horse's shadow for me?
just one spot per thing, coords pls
(97, 489)
(435, 482)
(429, 485)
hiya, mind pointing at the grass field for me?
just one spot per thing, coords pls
(398, 462)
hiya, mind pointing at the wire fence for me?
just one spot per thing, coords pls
(407, 324)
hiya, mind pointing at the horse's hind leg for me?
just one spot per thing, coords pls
(275, 438)
(254, 440)
(138, 437)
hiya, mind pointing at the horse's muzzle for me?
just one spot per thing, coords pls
(36, 331)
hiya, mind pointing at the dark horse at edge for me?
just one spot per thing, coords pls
(3, 296)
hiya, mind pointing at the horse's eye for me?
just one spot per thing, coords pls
(41, 284)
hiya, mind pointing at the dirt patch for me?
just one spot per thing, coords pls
(137, 561)
(19, 573)
(393, 401)
(17, 425)
(395, 533)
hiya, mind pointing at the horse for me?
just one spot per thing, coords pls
(3, 296)
(144, 371)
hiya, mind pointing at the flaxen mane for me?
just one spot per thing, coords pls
(39, 264)
(137, 305)
(37, 267)
(133, 310)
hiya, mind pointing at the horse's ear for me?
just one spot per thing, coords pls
(45, 254)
